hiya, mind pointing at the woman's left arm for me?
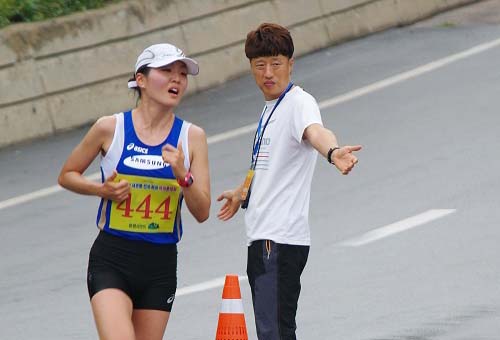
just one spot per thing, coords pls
(197, 195)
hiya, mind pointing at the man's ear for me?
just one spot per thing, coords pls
(290, 63)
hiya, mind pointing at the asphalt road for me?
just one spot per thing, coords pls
(429, 143)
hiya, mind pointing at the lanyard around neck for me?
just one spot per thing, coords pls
(260, 134)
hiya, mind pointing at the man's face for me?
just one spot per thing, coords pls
(272, 74)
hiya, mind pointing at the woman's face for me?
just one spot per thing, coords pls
(165, 85)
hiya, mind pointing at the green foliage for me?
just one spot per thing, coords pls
(12, 11)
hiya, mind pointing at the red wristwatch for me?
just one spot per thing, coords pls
(187, 181)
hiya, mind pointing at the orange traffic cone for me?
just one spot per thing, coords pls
(231, 324)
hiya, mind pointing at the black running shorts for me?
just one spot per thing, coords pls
(145, 271)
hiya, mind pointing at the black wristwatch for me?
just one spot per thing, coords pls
(330, 153)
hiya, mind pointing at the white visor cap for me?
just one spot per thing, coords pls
(160, 55)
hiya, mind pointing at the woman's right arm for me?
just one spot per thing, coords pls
(97, 140)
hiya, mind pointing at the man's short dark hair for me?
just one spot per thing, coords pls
(269, 40)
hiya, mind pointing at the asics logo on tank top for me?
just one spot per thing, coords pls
(144, 161)
(137, 148)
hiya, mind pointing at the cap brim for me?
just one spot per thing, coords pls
(191, 64)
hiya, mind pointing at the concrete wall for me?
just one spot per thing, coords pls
(67, 72)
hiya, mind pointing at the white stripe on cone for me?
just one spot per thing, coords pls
(231, 306)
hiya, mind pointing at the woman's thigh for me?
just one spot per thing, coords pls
(112, 310)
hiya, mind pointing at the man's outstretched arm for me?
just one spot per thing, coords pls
(323, 140)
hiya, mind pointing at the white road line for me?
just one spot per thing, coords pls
(394, 228)
(232, 134)
(203, 286)
(369, 237)
(29, 197)
(409, 74)
(324, 104)
(39, 193)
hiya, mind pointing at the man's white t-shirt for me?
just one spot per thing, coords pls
(278, 209)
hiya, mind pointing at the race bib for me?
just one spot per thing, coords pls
(150, 207)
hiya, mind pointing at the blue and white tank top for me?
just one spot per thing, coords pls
(152, 211)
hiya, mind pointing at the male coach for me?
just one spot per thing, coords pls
(277, 188)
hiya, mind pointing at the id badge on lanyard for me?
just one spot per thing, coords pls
(245, 194)
(247, 184)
